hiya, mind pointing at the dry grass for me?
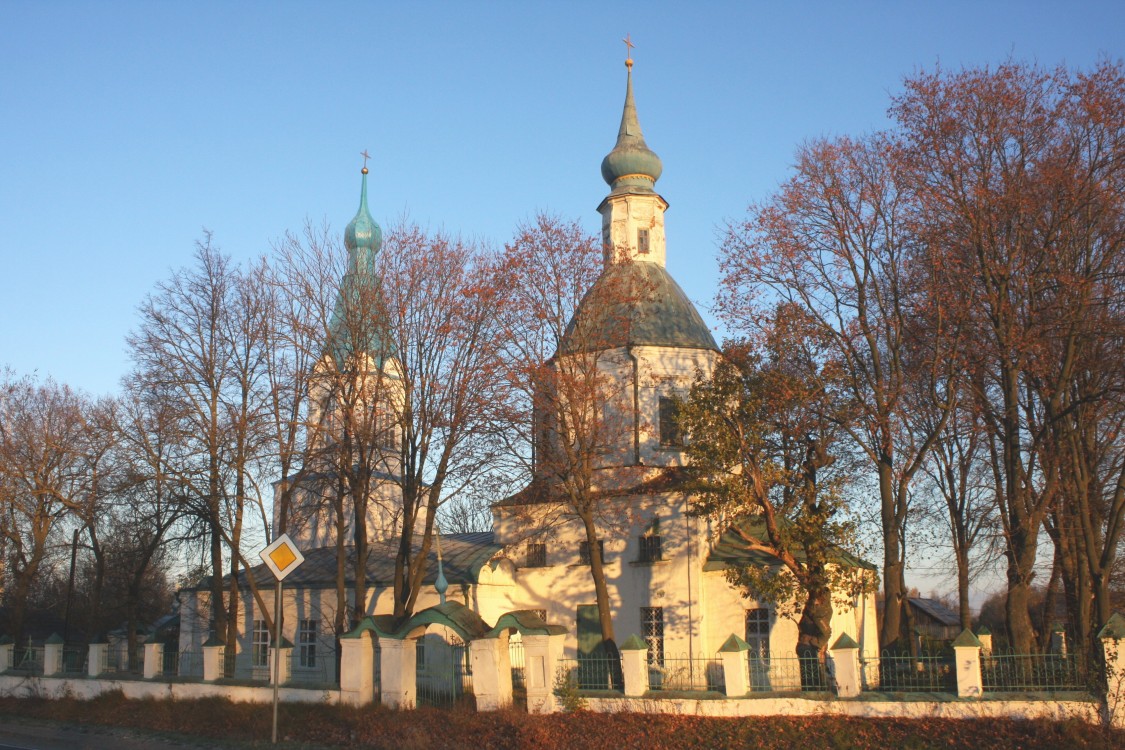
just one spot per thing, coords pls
(313, 726)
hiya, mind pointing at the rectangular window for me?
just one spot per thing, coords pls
(584, 552)
(542, 614)
(758, 632)
(536, 556)
(260, 645)
(306, 642)
(420, 654)
(671, 436)
(642, 242)
(385, 427)
(651, 548)
(652, 630)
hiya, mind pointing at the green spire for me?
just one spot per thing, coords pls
(631, 167)
(350, 328)
(362, 237)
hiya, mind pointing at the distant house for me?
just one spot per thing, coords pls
(932, 619)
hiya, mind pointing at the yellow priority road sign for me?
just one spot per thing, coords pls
(282, 557)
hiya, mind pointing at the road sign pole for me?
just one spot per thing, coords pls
(276, 653)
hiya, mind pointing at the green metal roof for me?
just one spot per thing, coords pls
(635, 304)
(733, 550)
(463, 557)
(525, 621)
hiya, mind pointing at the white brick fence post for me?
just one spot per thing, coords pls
(1112, 637)
(96, 658)
(7, 651)
(52, 655)
(844, 656)
(154, 658)
(398, 672)
(634, 666)
(492, 672)
(213, 651)
(542, 655)
(966, 656)
(735, 654)
(357, 662)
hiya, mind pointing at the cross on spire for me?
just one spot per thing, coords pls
(628, 50)
(365, 156)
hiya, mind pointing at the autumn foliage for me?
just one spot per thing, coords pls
(313, 726)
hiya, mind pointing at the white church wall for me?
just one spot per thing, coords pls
(673, 583)
(665, 372)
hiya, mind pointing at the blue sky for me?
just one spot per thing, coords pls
(128, 128)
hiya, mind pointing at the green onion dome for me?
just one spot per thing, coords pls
(631, 166)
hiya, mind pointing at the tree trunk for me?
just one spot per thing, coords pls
(894, 581)
(597, 572)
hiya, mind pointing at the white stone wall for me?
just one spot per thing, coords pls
(1058, 710)
(622, 216)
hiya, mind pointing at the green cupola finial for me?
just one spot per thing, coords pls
(631, 167)
(363, 237)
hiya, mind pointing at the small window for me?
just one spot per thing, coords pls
(652, 628)
(584, 552)
(536, 556)
(260, 645)
(758, 632)
(306, 643)
(420, 654)
(542, 613)
(671, 436)
(651, 550)
(385, 424)
(642, 242)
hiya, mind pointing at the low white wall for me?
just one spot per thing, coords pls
(1088, 711)
(85, 688)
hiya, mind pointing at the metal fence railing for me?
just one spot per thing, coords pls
(1006, 672)
(445, 676)
(786, 673)
(116, 661)
(74, 659)
(515, 656)
(593, 673)
(699, 674)
(925, 673)
(28, 660)
(311, 667)
(189, 664)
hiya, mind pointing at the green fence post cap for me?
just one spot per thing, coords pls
(634, 643)
(966, 639)
(1114, 628)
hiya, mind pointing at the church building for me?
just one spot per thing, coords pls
(663, 567)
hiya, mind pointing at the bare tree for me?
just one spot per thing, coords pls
(43, 477)
(835, 242)
(200, 346)
(1019, 178)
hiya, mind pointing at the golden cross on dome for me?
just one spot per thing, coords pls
(629, 49)
(365, 156)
